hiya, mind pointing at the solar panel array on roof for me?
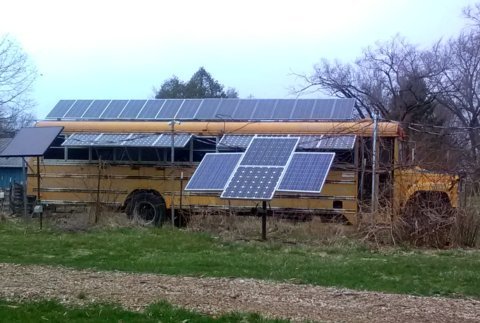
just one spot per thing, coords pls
(213, 172)
(306, 172)
(310, 142)
(126, 140)
(204, 109)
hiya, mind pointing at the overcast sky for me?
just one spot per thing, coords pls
(123, 49)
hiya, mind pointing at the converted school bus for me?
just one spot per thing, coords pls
(120, 152)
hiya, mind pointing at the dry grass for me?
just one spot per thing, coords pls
(230, 227)
(84, 218)
(424, 224)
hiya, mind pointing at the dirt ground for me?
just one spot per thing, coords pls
(220, 295)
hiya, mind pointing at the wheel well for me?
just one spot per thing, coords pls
(134, 192)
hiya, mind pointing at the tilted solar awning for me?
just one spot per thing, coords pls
(30, 142)
(320, 142)
(127, 140)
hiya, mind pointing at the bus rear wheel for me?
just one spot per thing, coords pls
(148, 208)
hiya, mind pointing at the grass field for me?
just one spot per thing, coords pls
(160, 312)
(453, 273)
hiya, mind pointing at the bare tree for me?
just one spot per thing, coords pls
(393, 79)
(389, 78)
(458, 87)
(16, 78)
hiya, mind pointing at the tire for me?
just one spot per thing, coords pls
(147, 208)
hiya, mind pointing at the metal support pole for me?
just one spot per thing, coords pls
(97, 202)
(38, 189)
(25, 171)
(374, 163)
(264, 220)
(172, 151)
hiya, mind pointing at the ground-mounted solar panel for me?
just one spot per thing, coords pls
(180, 140)
(114, 109)
(213, 172)
(283, 109)
(60, 109)
(306, 173)
(95, 109)
(235, 141)
(150, 109)
(81, 139)
(253, 183)
(208, 109)
(346, 142)
(188, 109)
(226, 109)
(264, 109)
(245, 109)
(303, 109)
(169, 109)
(132, 109)
(269, 151)
(77, 109)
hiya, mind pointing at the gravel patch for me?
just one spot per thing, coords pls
(221, 295)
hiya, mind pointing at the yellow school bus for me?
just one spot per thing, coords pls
(140, 154)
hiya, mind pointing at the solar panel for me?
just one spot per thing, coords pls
(283, 109)
(132, 109)
(226, 109)
(343, 109)
(95, 110)
(78, 109)
(235, 141)
(208, 109)
(188, 109)
(303, 109)
(169, 109)
(213, 172)
(309, 142)
(150, 109)
(269, 151)
(141, 140)
(323, 109)
(306, 172)
(60, 109)
(111, 139)
(346, 142)
(80, 139)
(253, 183)
(180, 140)
(245, 109)
(21, 145)
(114, 109)
(264, 110)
